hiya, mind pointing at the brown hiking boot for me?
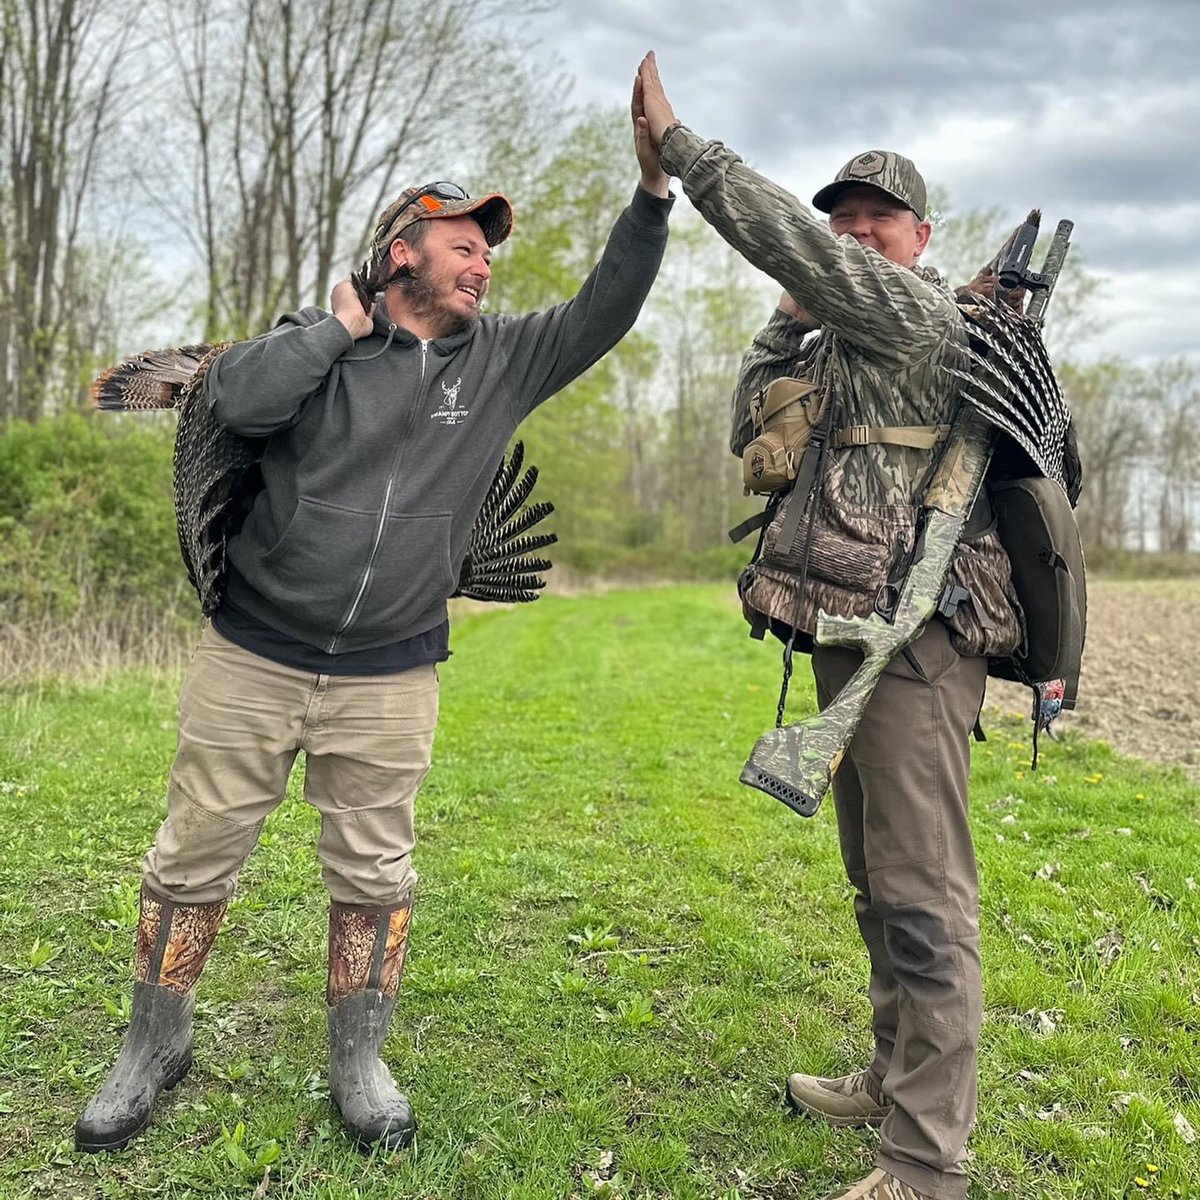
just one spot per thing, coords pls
(848, 1100)
(879, 1185)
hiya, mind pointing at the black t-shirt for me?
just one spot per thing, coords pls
(432, 646)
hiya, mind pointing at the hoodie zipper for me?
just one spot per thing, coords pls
(352, 612)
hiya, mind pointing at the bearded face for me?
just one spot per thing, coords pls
(445, 275)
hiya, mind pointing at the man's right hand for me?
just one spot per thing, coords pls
(654, 179)
(789, 306)
(655, 106)
(349, 310)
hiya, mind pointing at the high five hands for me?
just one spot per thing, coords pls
(652, 116)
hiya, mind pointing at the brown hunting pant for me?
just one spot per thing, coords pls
(243, 720)
(901, 801)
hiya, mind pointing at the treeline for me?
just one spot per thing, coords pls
(181, 171)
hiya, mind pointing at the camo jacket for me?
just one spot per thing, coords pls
(887, 336)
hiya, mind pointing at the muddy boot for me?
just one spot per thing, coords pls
(366, 960)
(173, 941)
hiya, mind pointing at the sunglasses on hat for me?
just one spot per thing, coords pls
(431, 195)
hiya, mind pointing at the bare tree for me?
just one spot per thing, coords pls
(59, 63)
(1114, 419)
(705, 312)
(1174, 389)
(300, 119)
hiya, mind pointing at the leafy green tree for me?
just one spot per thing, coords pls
(569, 196)
(86, 523)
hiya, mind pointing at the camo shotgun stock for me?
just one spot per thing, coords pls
(796, 763)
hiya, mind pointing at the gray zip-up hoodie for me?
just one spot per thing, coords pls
(380, 451)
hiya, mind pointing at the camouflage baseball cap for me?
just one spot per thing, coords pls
(889, 172)
(493, 212)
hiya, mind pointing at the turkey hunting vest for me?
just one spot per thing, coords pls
(1016, 589)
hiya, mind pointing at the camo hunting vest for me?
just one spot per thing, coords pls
(865, 509)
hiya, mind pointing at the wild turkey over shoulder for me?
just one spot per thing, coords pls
(216, 477)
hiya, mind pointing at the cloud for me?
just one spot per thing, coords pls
(1087, 108)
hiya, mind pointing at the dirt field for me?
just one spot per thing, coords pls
(1138, 690)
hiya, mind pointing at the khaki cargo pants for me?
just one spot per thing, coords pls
(901, 800)
(242, 721)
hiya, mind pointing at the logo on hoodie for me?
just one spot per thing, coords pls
(450, 413)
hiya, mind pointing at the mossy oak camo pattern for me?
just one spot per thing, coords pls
(883, 169)
(174, 941)
(869, 561)
(366, 950)
(879, 1185)
(797, 762)
(890, 338)
(897, 329)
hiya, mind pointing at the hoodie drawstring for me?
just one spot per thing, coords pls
(368, 357)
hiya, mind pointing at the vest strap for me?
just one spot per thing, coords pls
(918, 437)
(748, 526)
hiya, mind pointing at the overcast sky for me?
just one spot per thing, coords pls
(1088, 110)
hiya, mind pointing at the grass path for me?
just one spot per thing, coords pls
(618, 952)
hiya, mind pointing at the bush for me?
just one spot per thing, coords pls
(87, 525)
(1142, 564)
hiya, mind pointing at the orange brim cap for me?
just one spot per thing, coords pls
(493, 213)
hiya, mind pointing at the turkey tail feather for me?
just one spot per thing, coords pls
(500, 563)
(524, 520)
(517, 495)
(214, 471)
(150, 380)
(503, 481)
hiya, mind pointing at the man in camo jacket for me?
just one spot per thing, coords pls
(888, 331)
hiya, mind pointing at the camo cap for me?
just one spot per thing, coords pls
(889, 172)
(492, 212)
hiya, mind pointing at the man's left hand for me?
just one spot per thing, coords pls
(660, 116)
(654, 178)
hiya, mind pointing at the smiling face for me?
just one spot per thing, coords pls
(448, 267)
(875, 219)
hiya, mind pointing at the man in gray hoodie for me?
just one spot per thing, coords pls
(385, 420)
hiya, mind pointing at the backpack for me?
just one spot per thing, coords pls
(1035, 521)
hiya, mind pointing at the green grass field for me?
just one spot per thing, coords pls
(618, 954)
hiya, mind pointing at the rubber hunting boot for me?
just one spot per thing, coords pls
(173, 942)
(366, 960)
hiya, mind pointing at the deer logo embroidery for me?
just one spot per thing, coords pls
(450, 413)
